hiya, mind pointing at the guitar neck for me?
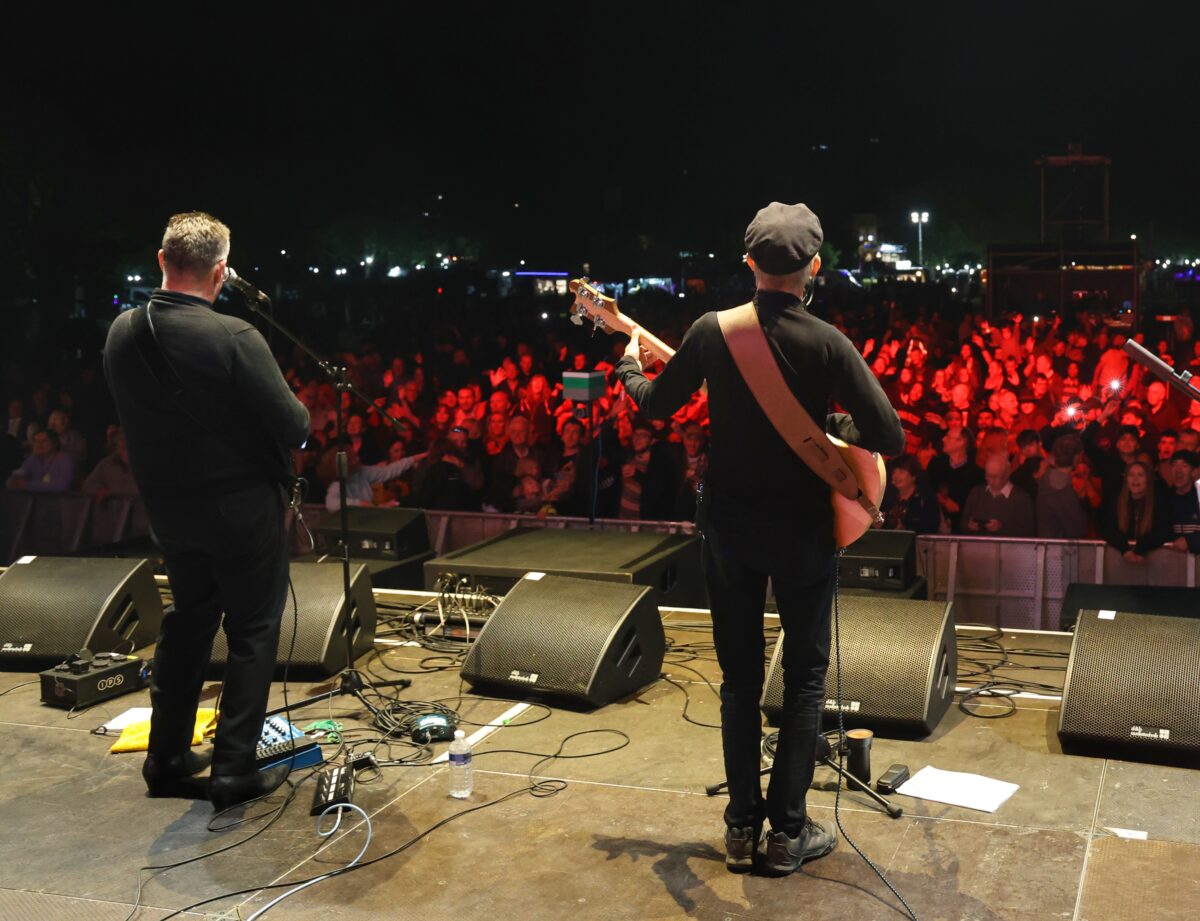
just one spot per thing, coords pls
(592, 305)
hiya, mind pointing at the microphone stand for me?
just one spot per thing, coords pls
(1180, 380)
(827, 760)
(351, 682)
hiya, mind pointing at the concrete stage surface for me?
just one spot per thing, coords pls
(630, 836)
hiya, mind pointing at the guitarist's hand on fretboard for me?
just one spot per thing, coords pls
(634, 348)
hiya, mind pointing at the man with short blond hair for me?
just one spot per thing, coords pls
(209, 420)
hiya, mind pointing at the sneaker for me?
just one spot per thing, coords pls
(783, 855)
(740, 845)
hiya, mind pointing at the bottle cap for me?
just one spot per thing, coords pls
(459, 734)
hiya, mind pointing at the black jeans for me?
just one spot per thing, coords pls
(738, 559)
(225, 554)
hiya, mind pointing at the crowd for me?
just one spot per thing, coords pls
(1029, 429)
(1021, 429)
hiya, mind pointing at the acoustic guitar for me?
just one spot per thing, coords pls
(850, 519)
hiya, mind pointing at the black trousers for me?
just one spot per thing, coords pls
(739, 557)
(224, 555)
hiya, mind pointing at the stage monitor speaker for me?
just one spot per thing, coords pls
(323, 616)
(882, 560)
(1173, 601)
(899, 664)
(378, 533)
(1133, 680)
(51, 607)
(576, 639)
(668, 563)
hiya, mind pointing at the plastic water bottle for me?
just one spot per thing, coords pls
(461, 782)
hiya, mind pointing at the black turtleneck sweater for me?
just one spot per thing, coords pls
(751, 469)
(248, 415)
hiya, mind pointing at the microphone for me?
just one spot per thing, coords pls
(248, 291)
(1149, 360)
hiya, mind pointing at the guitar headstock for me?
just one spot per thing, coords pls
(592, 304)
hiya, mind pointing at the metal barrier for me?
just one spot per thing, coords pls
(63, 524)
(1009, 582)
(1020, 582)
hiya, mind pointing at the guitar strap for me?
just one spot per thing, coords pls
(756, 362)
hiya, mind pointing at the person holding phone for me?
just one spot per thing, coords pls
(998, 508)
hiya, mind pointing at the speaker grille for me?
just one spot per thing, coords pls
(320, 642)
(1134, 679)
(898, 664)
(555, 635)
(57, 605)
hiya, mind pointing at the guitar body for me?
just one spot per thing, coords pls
(850, 519)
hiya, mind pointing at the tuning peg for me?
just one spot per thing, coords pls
(577, 319)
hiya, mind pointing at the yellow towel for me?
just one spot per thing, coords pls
(136, 736)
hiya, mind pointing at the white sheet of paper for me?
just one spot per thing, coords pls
(132, 715)
(970, 790)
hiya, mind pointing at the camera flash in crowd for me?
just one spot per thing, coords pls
(1114, 386)
(1070, 412)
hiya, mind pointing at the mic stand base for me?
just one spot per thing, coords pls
(351, 684)
(851, 781)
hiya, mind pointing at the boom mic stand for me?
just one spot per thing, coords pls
(1181, 381)
(824, 756)
(350, 683)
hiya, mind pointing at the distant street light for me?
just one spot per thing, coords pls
(920, 219)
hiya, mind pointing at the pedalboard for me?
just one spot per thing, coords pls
(81, 682)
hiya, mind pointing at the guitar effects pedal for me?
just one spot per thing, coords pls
(83, 682)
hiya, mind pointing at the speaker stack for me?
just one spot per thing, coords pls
(883, 564)
(52, 607)
(668, 563)
(572, 639)
(393, 543)
(899, 663)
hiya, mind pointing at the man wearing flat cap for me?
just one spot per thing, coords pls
(769, 516)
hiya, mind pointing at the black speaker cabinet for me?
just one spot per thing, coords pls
(51, 607)
(1133, 680)
(1173, 601)
(578, 639)
(899, 663)
(668, 563)
(378, 533)
(324, 617)
(882, 560)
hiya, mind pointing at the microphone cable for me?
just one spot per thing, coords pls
(841, 730)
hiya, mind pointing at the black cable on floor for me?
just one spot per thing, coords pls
(837, 800)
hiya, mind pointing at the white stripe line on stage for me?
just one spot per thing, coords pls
(484, 731)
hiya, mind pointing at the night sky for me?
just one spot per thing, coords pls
(330, 128)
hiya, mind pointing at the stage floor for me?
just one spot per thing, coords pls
(631, 836)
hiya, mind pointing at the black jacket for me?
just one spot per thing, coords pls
(250, 417)
(751, 469)
(1159, 534)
